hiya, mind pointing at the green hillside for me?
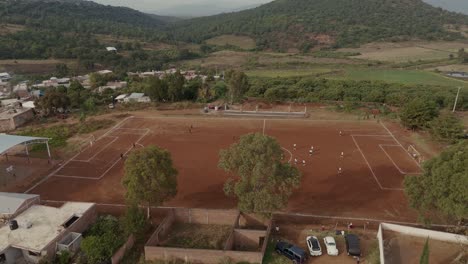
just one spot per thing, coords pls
(283, 24)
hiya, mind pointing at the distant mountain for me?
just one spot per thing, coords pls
(199, 10)
(460, 6)
(283, 24)
(77, 15)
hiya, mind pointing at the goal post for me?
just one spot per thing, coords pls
(415, 154)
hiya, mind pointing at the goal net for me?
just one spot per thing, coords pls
(415, 154)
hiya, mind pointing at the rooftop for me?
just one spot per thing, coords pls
(9, 141)
(46, 224)
(135, 95)
(11, 202)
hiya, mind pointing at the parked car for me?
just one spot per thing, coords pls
(330, 244)
(353, 247)
(292, 252)
(314, 246)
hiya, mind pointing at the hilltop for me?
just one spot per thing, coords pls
(283, 24)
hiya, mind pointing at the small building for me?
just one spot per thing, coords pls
(13, 204)
(104, 72)
(137, 98)
(121, 98)
(29, 104)
(111, 49)
(4, 76)
(13, 118)
(40, 231)
(113, 86)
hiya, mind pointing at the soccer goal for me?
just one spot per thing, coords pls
(415, 154)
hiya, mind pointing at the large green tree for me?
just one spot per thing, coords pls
(53, 101)
(446, 128)
(259, 179)
(443, 185)
(418, 113)
(150, 176)
(238, 84)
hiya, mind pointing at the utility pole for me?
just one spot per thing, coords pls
(456, 100)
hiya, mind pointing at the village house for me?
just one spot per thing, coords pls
(113, 86)
(137, 98)
(4, 76)
(111, 49)
(13, 117)
(53, 82)
(35, 232)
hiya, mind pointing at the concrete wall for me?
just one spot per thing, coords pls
(206, 216)
(163, 229)
(117, 257)
(201, 255)
(248, 240)
(11, 123)
(416, 232)
(79, 226)
(11, 255)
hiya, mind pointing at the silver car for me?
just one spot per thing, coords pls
(314, 246)
(330, 244)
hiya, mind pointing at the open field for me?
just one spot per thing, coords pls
(400, 248)
(373, 166)
(407, 51)
(242, 42)
(289, 73)
(200, 236)
(398, 76)
(6, 29)
(33, 66)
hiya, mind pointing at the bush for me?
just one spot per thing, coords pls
(102, 240)
(446, 128)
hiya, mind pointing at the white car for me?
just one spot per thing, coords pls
(314, 246)
(330, 244)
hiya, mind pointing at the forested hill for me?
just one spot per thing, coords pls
(282, 24)
(77, 16)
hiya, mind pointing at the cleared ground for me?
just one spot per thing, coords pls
(407, 51)
(370, 185)
(198, 236)
(289, 73)
(34, 66)
(401, 248)
(242, 42)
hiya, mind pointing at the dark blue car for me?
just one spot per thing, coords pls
(292, 252)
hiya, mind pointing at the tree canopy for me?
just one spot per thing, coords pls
(259, 179)
(418, 113)
(150, 176)
(443, 185)
(446, 128)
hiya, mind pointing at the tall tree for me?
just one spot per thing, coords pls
(446, 128)
(418, 113)
(150, 176)
(259, 179)
(155, 88)
(443, 185)
(53, 101)
(175, 88)
(238, 85)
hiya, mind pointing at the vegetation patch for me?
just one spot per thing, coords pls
(242, 42)
(199, 236)
(289, 72)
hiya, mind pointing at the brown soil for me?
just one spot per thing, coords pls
(355, 192)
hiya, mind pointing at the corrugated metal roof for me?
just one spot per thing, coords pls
(11, 202)
(9, 141)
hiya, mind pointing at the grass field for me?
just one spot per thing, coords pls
(289, 72)
(398, 76)
(407, 51)
(34, 66)
(242, 42)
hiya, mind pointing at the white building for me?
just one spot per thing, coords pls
(4, 76)
(113, 86)
(112, 49)
(40, 231)
(138, 98)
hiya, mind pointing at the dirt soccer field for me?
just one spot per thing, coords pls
(370, 184)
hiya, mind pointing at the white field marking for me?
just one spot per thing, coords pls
(66, 162)
(394, 163)
(102, 149)
(271, 119)
(370, 168)
(290, 154)
(398, 142)
(280, 213)
(371, 135)
(110, 168)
